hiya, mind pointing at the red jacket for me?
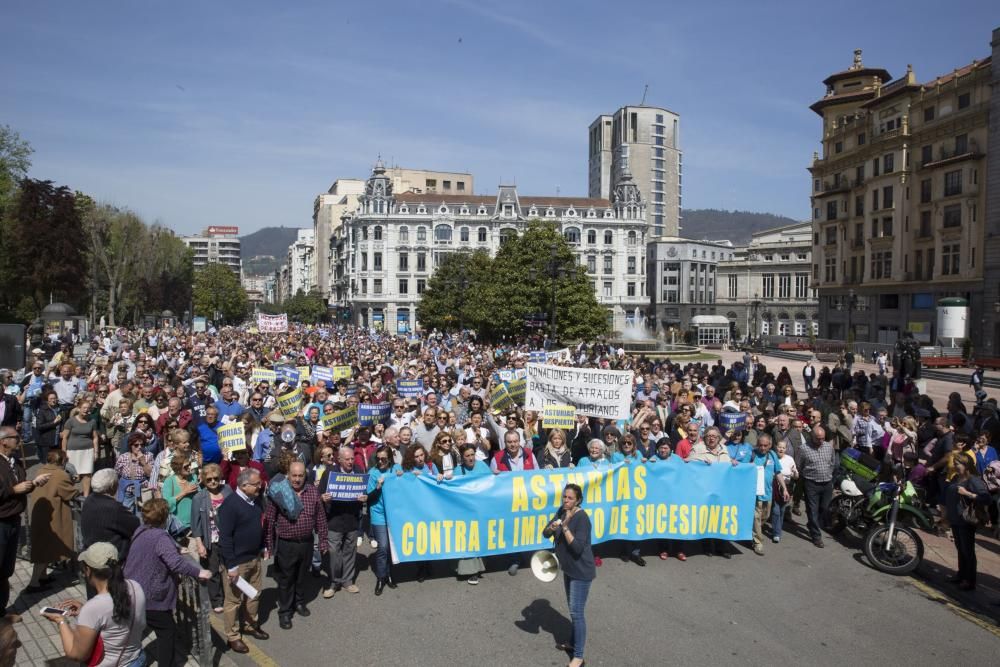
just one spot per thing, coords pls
(231, 470)
(500, 458)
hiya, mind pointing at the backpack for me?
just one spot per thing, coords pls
(282, 494)
(991, 476)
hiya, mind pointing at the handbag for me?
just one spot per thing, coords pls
(969, 514)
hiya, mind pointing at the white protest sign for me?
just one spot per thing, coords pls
(593, 392)
(272, 323)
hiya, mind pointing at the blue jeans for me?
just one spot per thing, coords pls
(381, 560)
(576, 597)
(27, 424)
(777, 517)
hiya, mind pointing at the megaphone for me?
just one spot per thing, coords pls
(545, 566)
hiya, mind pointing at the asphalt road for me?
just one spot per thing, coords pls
(796, 605)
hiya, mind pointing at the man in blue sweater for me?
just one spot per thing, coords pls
(241, 541)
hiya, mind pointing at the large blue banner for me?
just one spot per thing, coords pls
(486, 515)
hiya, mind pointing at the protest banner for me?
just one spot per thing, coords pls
(517, 389)
(340, 420)
(341, 372)
(272, 323)
(321, 374)
(593, 392)
(510, 374)
(537, 356)
(559, 416)
(561, 355)
(370, 414)
(500, 398)
(289, 404)
(490, 515)
(347, 486)
(303, 372)
(232, 437)
(732, 421)
(288, 374)
(410, 388)
(259, 375)
(199, 324)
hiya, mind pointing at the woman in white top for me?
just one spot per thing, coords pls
(779, 500)
(116, 614)
(478, 435)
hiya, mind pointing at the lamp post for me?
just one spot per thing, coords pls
(755, 310)
(555, 272)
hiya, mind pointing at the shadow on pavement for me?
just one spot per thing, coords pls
(540, 616)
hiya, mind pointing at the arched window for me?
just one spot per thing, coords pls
(377, 232)
(404, 234)
(442, 234)
(482, 235)
(421, 235)
(591, 236)
(631, 238)
(609, 237)
(364, 233)
(572, 235)
(463, 234)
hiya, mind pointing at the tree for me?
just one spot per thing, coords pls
(117, 240)
(218, 295)
(44, 244)
(15, 160)
(445, 303)
(306, 308)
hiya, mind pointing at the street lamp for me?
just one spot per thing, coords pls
(850, 305)
(754, 309)
(555, 271)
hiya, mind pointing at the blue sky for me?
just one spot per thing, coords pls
(239, 113)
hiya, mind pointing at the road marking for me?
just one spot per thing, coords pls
(984, 622)
(258, 656)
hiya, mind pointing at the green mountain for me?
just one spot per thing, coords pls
(269, 245)
(735, 226)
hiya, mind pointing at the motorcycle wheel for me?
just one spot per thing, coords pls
(839, 512)
(905, 556)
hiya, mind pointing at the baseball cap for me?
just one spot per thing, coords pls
(99, 555)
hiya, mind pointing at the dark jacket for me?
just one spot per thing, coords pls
(47, 427)
(576, 560)
(12, 413)
(104, 519)
(241, 530)
(341, 516)
(201, 527)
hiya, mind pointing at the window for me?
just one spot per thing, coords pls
(608, 237)
(875, 164)
(631, 239)
(377, 233)
(830, 269)
(506, 235)
(430, 183)
(859, 205)
(887, 197)
(881, 266)
(926, 154)
(508, 210)
(888, 301)
(404, 261)
(631, 265)
(961, 144)
(859, 174)
(733, 287)
(377, 261)
(831, 210)
(572, 236)
(888, 161)
(377, 286)
(404, 286)
(421, 285)
(364, 286)
(463, 234)
(421, 235)
(768, 285)
(591, 236)
(925, 224)
(446, 184)
(918, 265)
(482, 235)
(953, 183)
(607, 290)
(928, 114)
(949, 259)
(952, 216)
(460, 186)
(831, 235)
(925, 191)
(421, 261)
(630, 289)
(591, 264)
(838, 147)
(364, 261)
(861, 139)
(964, 100)
(608, 264)
(364, 233)
(404, 235)
(442, 234)
(887, 226)
(801, 285)
(784, 285)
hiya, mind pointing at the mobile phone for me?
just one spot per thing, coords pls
(54, 610)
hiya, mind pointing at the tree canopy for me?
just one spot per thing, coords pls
(306, 308)
(494, 296)
(217, 292)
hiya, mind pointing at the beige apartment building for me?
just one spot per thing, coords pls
(899, 200)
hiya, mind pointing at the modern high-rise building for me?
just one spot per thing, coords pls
(216, 245)
(644, 142)
(899, 202)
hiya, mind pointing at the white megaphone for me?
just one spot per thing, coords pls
(545, 566)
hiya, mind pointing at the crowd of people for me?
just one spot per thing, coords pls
(130, 430)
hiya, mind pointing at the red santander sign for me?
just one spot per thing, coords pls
(223, 231)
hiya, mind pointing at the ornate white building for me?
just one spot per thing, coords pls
(389, 247)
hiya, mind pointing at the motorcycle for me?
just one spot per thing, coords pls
(892, 547)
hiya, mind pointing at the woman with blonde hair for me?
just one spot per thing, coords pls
(556, 453)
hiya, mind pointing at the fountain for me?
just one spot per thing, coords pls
(637, 339)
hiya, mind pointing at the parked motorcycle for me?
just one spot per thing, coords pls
(892, 547)
(861, 504)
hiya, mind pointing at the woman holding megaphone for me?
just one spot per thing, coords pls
(570, 529)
